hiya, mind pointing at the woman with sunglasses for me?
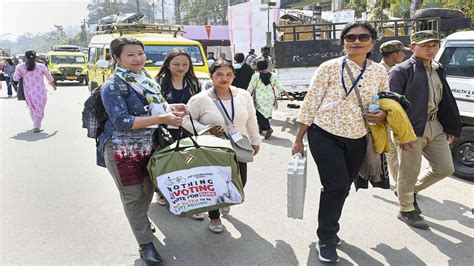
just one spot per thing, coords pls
(331, 116)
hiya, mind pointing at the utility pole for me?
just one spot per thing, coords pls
(163, 10)
(138, 6)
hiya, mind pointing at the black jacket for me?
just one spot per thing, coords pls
(409, 78)
(243, 75)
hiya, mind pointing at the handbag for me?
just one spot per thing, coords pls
(243, 149)
(132, 150)
(372, 167)
(20, 93)
(2, 76)
(197, 174)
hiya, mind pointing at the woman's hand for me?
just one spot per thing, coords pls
(179, 107)
(179, 114)
(53, 85)
(256, 148)
(297, 147)
(171, 119)
(217, 131)
(376, 116)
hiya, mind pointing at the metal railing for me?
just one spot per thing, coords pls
(305, 32)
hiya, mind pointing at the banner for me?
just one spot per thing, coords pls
(198, 187)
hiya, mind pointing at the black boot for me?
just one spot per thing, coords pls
(149, 254)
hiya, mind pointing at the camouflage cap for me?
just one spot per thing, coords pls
(424, 36)
(393, 46)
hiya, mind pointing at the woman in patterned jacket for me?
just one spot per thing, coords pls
(333, 119)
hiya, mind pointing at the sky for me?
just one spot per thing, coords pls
(35, 16)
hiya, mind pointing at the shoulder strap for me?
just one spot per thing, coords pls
(359, 99)
(226, 120)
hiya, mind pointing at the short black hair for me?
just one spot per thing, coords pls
(363, 23)
(262, 64)
(239, 57)
(265, 48)
(117, 44)
(218, 64)
(386, 54)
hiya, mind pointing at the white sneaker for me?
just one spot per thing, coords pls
(216, 228)
(225, 211)
(198, 216)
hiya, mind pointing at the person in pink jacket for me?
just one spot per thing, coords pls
(33, 75)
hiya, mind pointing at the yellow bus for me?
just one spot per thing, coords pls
(157, 39)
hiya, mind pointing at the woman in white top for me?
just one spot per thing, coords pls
(238, 107)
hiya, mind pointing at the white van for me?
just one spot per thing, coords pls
(457, 56)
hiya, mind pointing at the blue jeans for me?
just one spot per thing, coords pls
(9, 86)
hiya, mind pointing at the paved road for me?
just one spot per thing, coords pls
(57, 207)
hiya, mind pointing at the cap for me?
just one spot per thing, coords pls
(393, 46)
(252, 50)
(424, 36)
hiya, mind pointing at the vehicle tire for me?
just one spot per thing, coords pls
(439, 12)
(462, 151)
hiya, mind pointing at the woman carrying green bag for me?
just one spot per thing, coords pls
(236, 108)
(126, 143)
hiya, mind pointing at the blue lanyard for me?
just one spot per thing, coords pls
(223, 107)
(357, 79)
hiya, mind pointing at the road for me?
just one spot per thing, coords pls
(58, 207)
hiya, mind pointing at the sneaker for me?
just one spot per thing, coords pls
(197, 216)
(327, 253)
(413, 219)
(337, 241)
(160, 200)
(37, 130)
(268, 134)
(225, 211)
(216, 228)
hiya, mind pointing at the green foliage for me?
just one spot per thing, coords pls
(204, 12)
(358, 5)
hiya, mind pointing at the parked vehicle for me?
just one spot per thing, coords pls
(457, 56)
(157, 39)
(66, 62)
(300, 48)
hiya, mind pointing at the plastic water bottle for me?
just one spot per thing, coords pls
(373, 106)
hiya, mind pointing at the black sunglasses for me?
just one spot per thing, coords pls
(361, 37)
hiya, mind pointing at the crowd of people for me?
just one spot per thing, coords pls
(244, 94)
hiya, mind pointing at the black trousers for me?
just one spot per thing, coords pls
(263, 123)
(215, 214)
(338, 160)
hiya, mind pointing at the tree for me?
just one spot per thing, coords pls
(204, 12)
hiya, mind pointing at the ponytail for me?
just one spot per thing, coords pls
(30, 60)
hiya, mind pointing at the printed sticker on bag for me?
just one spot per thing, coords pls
(198, 187)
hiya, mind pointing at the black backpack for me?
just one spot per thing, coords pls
(94, 115)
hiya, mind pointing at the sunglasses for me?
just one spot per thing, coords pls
(361, 37)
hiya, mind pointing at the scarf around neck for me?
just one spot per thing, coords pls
(142, 83)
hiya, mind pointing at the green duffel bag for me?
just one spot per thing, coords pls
(197, 174)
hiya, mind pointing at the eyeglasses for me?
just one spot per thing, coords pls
(361, 37)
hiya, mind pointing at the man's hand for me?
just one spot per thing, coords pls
(407, 146)
(450, 138)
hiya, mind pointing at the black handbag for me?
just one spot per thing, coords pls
(2, 77)
(162, 137)
(20, 93)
